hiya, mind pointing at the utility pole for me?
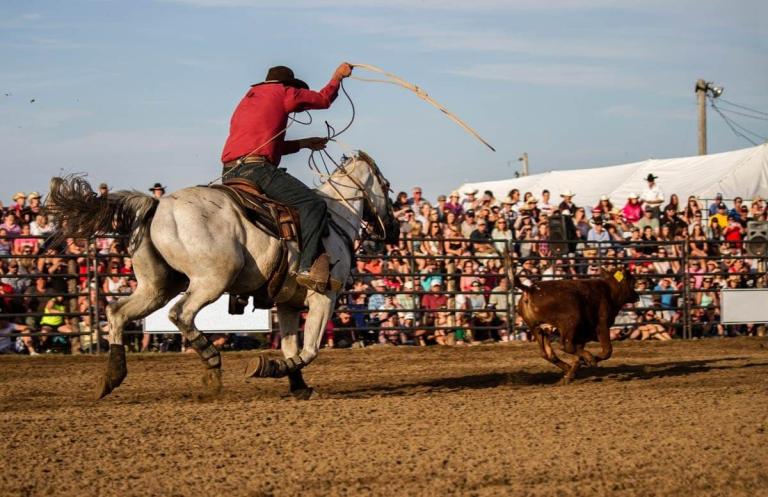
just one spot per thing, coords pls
(524, 160)
(701, 97)
(704, 88)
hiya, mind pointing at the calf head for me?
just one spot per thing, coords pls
(623, 283)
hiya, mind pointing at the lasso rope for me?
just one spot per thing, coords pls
(397, 80)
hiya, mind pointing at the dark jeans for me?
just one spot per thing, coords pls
(284, 188)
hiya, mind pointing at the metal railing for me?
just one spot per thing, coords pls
(79, 269)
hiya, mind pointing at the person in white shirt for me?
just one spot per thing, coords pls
(652, 195)
(544, 205)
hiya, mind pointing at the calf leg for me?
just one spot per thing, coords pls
(604, 336)
(545, 346)
(570, 375)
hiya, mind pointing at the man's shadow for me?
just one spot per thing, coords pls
(624, 372)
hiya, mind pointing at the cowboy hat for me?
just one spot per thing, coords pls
(283, 75)
(633, 195)
(650, 177)
(604, 197)
(470, 192)
(34, 195)
(567, 193)
(157, 186)
(18, 195)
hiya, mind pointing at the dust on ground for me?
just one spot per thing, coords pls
(675, 418)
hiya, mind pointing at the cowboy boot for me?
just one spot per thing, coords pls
(316, 278)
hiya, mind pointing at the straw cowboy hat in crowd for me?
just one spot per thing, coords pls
(18, 195)
(567, 193)
(34, 195)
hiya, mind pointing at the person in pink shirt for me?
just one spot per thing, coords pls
(633, 209)
(25, 239)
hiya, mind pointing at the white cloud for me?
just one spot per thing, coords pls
(637, 112)
(583, 75)
(448, 5)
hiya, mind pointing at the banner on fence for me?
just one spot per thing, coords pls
(213, 318)
(747, 305)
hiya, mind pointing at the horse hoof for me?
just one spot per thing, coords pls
(565, 381)
(102, 388)
(308, 393)
(256, 367)
(212, 380)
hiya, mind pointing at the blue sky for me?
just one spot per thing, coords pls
(137, 92)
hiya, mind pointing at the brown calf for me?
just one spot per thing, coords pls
(581, 310)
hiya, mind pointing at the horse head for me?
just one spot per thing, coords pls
(378, 211)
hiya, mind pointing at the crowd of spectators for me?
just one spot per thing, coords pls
(48, 288)
(444, 283)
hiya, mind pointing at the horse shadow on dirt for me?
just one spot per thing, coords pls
(623, 372)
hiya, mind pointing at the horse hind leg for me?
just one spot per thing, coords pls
(182, 314)
(145, 300)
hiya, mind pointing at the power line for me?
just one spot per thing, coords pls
(730, 125)
(744, 107)
(744, 114)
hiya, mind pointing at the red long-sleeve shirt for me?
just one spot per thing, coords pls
(263, 113)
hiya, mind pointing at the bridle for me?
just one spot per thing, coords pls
(363, 194)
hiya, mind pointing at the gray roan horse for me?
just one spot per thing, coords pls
(198, 242)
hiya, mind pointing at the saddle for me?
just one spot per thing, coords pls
(274, 218)
(277, 219)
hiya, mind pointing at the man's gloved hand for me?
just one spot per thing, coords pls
(314, 143)
(344, 70)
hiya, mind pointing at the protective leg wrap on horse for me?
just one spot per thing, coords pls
(116, 371)
(208, 353)
(262, 367)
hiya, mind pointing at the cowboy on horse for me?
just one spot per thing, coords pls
(256, 143)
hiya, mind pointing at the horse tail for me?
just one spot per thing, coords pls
(80, 213)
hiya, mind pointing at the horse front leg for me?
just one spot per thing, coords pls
(289, 344)
(320, 310)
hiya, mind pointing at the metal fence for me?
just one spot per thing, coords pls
(422, 290)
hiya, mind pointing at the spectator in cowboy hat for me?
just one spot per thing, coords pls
(567, 203)
(633, 209)
(34, 207)
(157, 190)
(19, 205)
(652, 195)
(470, 202)
(104, 189)
(453, 204)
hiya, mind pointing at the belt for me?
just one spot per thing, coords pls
(248, 159)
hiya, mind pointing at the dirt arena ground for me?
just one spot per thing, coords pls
(679, 418)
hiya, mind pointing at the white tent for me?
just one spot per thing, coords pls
(740, 173)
